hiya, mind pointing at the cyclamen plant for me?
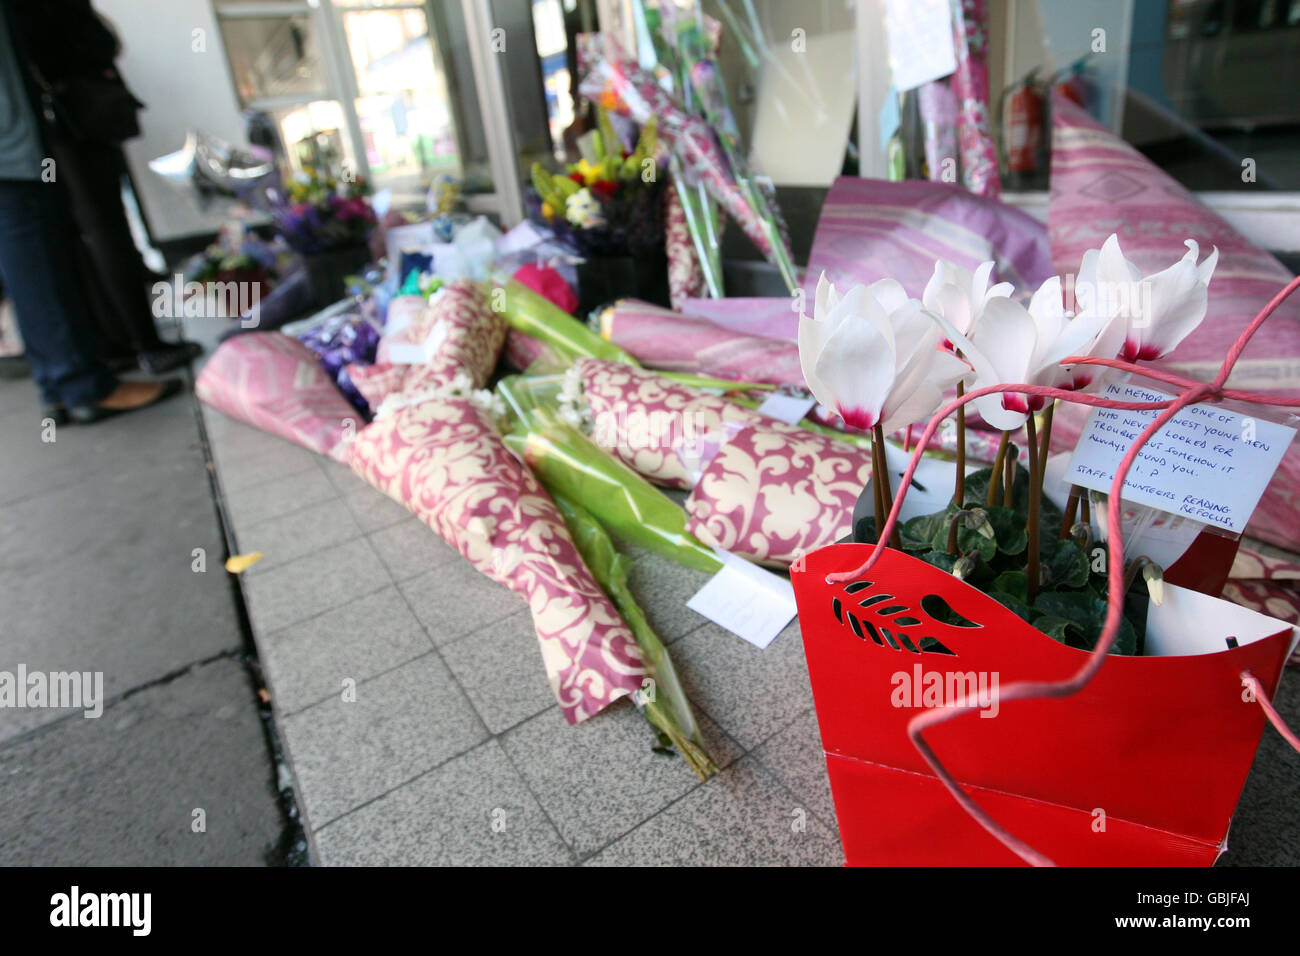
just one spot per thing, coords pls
(883, 361)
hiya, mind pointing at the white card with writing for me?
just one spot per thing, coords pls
(920, 41)
(1209, 463)
(786, 408)
(749, 601)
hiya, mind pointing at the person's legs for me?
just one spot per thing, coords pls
(37, 242)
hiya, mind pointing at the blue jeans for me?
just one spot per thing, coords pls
(38, 264)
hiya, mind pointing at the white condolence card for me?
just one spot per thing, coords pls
(1209, 463)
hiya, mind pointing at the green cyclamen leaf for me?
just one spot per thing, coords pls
(1064, 564)
(1009, 529)
(1015, 583)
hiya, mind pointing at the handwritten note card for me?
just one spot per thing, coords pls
(747, 600)
(1209, 463)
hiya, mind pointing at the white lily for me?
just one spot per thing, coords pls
(873, 356)
(1158, 310)
(1013, 344)
(960, 295)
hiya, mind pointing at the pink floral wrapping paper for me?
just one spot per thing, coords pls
(970, 82)
(522, 350)
(472, 343)
(660, 429)
(445, 461)
(376, 382)
(1102, 185)
(664, 339)
(776, 491)
(273, 382)
(685, 276)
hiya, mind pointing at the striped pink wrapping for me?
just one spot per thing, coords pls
(663, 339)
(871, 229)
(273, 382)
(1102, 185)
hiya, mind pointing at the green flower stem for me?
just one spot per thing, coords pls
(991, 498)
(1071, 509)
(876, 470)
(959, 488)
(1009, 482)
(887, 493)
(1036, 468)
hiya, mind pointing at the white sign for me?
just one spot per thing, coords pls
(786, 408)
(920, 41)
(1209, 463)
(750, 602)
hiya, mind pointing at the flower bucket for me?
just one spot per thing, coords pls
(1142, 766)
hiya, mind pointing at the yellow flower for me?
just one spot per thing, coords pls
(547, 211)
(588, 172)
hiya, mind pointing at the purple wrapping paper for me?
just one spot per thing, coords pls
(871, 229)
(772, 318)
(338, 342)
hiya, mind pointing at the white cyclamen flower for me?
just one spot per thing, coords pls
(960, 295)
(873, 355)
(1158, 310)
(1015, 345)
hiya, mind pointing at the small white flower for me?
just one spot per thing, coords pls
(583, 210)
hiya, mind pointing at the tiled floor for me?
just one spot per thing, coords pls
(421, 729)
(417, 717)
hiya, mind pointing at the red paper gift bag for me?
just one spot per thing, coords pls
(1144, 766)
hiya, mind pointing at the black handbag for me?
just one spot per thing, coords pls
(96, 109)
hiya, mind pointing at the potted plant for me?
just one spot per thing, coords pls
(1126, 708)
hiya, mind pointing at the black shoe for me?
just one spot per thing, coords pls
(55, 413)
(89, 414)
(170, 357)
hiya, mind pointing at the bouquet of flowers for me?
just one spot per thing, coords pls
(237, 256)
(607, 203)
(321, 213)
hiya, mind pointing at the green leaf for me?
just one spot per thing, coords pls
(1015, 583)
(1009, 529)
(968, 540)
(918, 533)
(940, 559)
(608, 144)
(1064, 565)
(1057, 628)
(1011, 602)
(544, 184)
(1089, 614)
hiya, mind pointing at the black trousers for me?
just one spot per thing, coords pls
(116, 279)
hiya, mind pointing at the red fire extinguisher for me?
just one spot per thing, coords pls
(1024, 126)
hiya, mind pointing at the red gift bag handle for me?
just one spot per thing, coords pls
(1191, 392)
